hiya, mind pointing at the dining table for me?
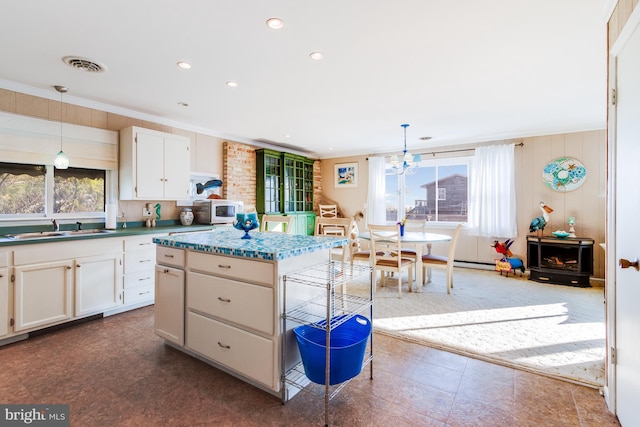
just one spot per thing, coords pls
(417, 240)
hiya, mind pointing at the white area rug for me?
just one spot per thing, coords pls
(549, 329)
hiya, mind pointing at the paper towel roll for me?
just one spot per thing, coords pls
(111, 216)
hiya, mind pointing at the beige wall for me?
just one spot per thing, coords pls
(33, 106)
(586, 204)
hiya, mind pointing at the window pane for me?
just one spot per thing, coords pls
(420, 193)
(78, 190)
(453, 180)
(391, 195)
(22, 189)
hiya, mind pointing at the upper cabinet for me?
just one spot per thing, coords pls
(284, 182)
(153, 165)
(206, 155)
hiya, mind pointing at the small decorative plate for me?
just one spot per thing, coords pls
(564, 174)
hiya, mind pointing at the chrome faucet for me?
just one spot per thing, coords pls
(56, 227)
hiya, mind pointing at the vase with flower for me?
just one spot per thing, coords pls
(401, 224)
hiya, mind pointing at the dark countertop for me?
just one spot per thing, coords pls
(167, 227)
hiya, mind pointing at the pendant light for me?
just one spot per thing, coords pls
(407, 162)
(61, 161)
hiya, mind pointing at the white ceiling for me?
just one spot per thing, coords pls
(458, 71)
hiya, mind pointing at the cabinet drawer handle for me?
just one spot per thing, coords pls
(543, 278)
(168, 256)
(146, 278)
(223, 299)
(142, 293)
(144, 260)
(223, 266)
(224, 346)
(144, 244)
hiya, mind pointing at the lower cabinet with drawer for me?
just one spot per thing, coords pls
(231, 315)
(139, 271)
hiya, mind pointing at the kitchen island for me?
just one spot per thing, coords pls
(220, 298)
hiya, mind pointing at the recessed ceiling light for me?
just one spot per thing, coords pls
(316, 56)
(286, 135)
(183, 104)
(231, 83)
(275, 23)
(184, 65)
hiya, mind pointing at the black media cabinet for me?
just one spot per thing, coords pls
(566, 261)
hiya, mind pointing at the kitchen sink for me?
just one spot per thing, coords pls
(54, 234)
(85, 232)
(36, 235)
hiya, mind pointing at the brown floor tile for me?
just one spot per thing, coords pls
(116, 372)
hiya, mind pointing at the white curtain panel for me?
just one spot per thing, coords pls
(376, 213)
(492, 198)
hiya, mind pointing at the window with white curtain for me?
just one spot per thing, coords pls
(437, 190)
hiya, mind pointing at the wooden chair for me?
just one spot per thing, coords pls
(328, 211)
(384, 239)
(419, 225)
(429, 260)
(277, 224)
(335, 227)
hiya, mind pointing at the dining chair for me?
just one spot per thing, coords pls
(335, 227)
(429, 260)
(384, 239)
(419, 225)
(277, 224)
(328, 211)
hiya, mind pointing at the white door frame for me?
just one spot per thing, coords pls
(611, 255)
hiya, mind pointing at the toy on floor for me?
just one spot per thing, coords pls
(508, 262)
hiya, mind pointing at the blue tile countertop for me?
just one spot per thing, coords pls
(264, 246)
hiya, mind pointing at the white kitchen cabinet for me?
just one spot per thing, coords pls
(206, 155)
(169, 304)
(139, 270)
(4, 293)
(43, 294)
(96, 283)
(49, 277)
(153, 165)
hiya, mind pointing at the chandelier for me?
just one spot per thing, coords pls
(407, 163)
(61, 161)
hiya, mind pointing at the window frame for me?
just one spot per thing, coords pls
(110, 183)
(430, 162)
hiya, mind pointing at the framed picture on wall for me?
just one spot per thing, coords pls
(346, 175)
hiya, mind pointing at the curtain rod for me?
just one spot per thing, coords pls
(521, 144)
(433, 153)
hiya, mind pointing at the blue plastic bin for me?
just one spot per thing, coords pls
(348, 342)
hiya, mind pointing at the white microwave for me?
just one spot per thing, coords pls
(216, 211)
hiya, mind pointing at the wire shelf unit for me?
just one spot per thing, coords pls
(325, 310)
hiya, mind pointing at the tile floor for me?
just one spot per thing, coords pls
(116, 372)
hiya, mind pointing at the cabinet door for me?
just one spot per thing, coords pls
(150, 166)
(4, 301)
(42, 294)
(169, 305)
(96, 283)
(176, 168)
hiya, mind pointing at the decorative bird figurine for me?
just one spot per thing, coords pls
(538, 224)
(508, 262)
(503, 248)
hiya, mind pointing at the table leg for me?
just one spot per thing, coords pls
(419, 268)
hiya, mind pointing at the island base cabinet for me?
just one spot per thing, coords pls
(43, 294)
(241, 351)
(169, 304)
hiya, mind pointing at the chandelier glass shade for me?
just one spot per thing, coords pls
(407, 162)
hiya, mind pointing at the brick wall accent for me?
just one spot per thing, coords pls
(239, 173)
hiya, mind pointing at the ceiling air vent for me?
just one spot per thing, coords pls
(83, 64)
